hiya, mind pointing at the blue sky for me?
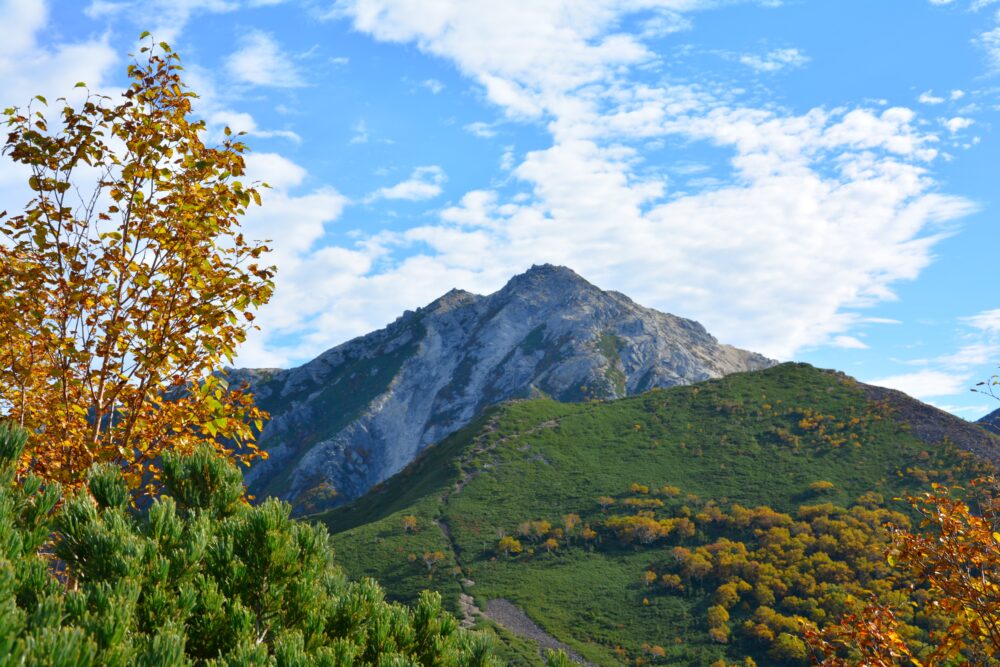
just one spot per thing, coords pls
(813, 179)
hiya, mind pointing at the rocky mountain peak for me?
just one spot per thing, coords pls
(362, 411)
(547, 279)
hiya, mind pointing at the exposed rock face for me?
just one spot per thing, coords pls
(361, 411)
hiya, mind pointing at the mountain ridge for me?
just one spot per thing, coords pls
(794, 444)
(361, 411)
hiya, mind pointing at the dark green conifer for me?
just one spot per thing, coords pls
(197, 578)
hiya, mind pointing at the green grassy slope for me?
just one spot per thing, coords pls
(755, 439)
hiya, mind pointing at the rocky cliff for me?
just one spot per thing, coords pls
(361, 411)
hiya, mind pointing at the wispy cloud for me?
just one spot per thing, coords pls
(823, 212)
(927, 384)
(775, 60)
(848, 343)
(244, 122)
(955, 372)
(29, 66)
(423, 183)
(432, 85)
(480, 129)
(928, 97)
(987, 321)
(359, 132)
(260, 61)
(165, 19)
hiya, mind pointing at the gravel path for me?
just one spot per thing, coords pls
(513, 619)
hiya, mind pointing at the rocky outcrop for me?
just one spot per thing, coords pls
(361, 411)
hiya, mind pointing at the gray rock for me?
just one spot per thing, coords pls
(360, 412)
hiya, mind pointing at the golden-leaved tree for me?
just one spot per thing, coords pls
(126, 282)
(953, 562)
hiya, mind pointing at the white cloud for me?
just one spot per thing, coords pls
(775, 60)
(28, 68)
(987, 321)
(823, 212)
(261, 62)
(956, 372)
(480, 129)
(956, 95)
(433, 85)
(244, 122)
(359, 132)
(990, 42)
(928, 97)
(507, 158)
(276, 170)
(927, 384)
(423, 183)
(971, 355)
(165, 19)
(294, 225)
(848, 343)
(963, 409)
(664, 24)
(958, 123)
(215, 104)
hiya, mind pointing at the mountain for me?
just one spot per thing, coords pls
(360, 412)
(679, 527)
(991, 421)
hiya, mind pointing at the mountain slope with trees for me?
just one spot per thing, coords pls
(607, 522)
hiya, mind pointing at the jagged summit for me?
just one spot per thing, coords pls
(361, 411)
(549, 276)
(547, 282)
(453, 298)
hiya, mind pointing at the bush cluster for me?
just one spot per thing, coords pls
(197, 577)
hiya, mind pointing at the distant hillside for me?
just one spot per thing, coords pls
(626, 513)
(991, 421)
(361, 411)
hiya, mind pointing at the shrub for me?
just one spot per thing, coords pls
(197, 577)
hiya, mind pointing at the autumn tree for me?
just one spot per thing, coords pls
(957, 561)
(126, 281)
(508, 545)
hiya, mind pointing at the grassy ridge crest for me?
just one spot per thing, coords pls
(784, 437)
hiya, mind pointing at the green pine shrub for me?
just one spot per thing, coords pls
(197, 578)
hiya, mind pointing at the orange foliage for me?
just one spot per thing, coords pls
(121, 297)
(958, 563)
